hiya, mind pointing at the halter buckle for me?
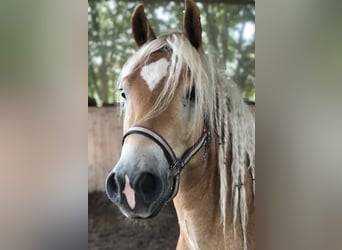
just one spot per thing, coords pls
(177, 167)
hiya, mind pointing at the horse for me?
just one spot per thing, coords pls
(188, 138)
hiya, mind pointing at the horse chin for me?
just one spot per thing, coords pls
(143, 212)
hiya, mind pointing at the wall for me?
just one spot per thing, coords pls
(104, 144)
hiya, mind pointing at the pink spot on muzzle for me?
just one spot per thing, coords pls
(129, 192)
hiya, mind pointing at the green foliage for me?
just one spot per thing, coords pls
(110, 43)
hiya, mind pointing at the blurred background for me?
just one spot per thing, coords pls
(43, 128)
(228, 26)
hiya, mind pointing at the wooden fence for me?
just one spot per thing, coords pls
(104, 144)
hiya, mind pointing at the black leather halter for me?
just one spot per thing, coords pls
(176, 164)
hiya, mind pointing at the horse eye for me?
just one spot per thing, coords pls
(191, 94)
(123, 94)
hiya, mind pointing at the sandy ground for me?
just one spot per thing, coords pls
(109, 229)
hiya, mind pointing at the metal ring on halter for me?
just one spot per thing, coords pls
(176, 164)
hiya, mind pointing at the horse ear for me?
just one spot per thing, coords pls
(142, 31)
(192, 24)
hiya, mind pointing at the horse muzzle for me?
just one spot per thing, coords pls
(138, 195)
(134, 187)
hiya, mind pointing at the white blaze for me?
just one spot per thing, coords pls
(154, 72)
(129, 192)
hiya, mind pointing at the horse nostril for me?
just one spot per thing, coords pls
(112, 187)
(149, 186)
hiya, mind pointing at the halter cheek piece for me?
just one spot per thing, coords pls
(176, 164)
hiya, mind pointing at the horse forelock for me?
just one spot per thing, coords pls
(219, 102)
(185, 67)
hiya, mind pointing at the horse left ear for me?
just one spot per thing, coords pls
(142, 31)
(192, 24)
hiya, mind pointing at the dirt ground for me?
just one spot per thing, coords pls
(109, 229)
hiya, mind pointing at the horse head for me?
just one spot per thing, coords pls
(165, 125)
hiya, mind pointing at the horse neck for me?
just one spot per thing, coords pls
(197, 203)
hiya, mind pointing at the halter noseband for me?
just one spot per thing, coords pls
(176, 164)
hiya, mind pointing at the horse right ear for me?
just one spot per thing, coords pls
(142, 31)
(192, 24)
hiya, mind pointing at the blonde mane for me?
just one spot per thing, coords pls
(219, 103)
